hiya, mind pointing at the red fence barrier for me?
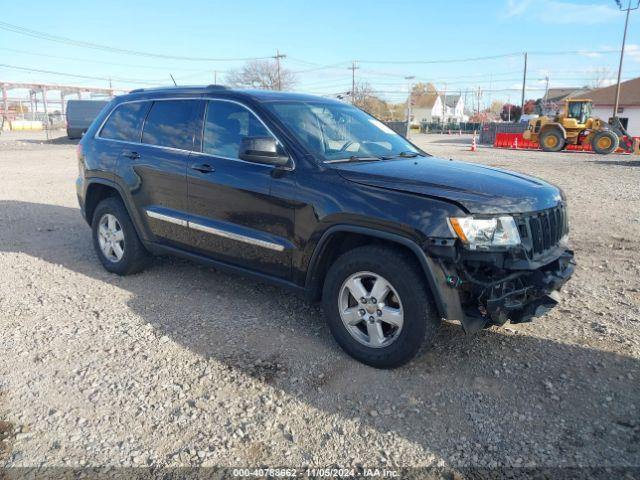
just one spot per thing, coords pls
(517, 141)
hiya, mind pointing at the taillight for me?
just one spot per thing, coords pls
(79, 151)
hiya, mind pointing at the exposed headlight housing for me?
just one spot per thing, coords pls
(485, 233)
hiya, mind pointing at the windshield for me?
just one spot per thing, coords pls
(333, 131)
(581, 111)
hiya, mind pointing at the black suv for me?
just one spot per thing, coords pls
(316, 195)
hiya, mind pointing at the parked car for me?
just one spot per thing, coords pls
(80, 115)
(318, 196)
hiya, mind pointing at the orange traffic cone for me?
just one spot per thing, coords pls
(474, 147)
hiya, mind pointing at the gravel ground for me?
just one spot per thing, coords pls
(185, 366)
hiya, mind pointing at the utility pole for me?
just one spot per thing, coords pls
(215, 77)
(409, 78)
(624, 40)
(466, 107)
(524, 81)
(490, 89)
(278, 56)
(546, 88)
(46, 111)
(353, 69)
(5, 103)
(444, 108)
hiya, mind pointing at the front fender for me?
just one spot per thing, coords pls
(446, 299)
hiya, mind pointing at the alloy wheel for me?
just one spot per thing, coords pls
(111, 237)
(371, 309)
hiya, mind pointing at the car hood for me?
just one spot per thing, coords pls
(477, 188)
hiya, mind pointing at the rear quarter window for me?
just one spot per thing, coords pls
(125, 122)
(171, 123)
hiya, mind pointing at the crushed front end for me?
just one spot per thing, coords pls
(516, 278)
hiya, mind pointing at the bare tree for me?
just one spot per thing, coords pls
(423, 93)
(600, 77)
(496, 108)
(262, 74)
(365, 99)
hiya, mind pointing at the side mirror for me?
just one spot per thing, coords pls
(262, 150)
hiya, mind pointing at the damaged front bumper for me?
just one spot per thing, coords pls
(491, 289)
(536, 293)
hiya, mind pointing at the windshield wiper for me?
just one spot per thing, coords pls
(355, 158)
(405, 154)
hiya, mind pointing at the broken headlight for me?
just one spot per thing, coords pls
(486, 232)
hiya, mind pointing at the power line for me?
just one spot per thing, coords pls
(457, 60)
(488, 57)
(88, 77)
(95, 46)
(494, 90)
(79, 43)
(88, 60)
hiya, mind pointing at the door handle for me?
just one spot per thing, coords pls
(203, 167)
(131, 155)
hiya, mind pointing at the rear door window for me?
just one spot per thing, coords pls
(225, 125)
(125, 122)
(171, 123)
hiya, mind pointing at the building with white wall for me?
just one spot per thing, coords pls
(628, 106)
(438, 108)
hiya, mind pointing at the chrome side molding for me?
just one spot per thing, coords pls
(167, 218)
(215, 231)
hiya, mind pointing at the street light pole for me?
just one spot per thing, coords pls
(624, 40)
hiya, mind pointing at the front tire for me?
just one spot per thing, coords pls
(391, 291)
(115, 239)
(605, 142)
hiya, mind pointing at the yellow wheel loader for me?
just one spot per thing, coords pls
(574, 125)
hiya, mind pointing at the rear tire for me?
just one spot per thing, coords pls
(406, 301)
(115, 239)
(605, 142)
(552, 140)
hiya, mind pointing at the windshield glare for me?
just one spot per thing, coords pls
(332, 131)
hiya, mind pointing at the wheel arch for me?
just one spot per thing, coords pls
(100, 188)
(553, 126)
(97, 190)
(345, 237)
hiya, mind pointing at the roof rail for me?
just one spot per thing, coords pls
(179, 87)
